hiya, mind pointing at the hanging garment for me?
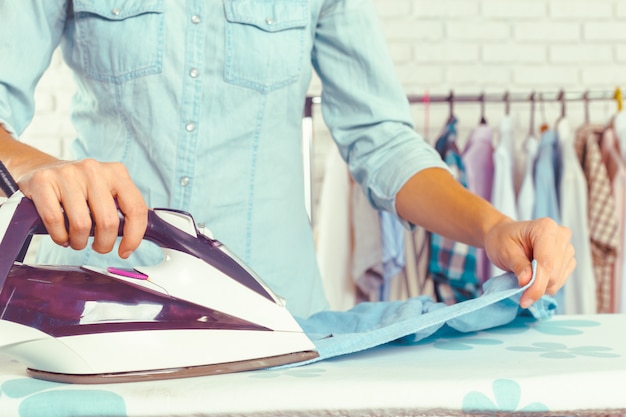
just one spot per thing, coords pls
(619, 127)
(392, 233)
(603, 224)
(617, 175)
(478, 160)
(580, 288)
(547, 177)
(503, 192)
(367, 253)
(332, 233)
(453, 263)
(417, 247)
(526, 195)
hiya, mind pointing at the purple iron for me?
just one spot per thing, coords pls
(200, 312)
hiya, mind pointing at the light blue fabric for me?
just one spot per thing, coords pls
(202, 100)
(368, 325)
(547, 177)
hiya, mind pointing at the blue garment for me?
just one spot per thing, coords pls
(392, 235)
(372, 324)
(547, 177)
(453, 263)
(202, 101)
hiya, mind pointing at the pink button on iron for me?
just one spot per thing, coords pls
(128, 273)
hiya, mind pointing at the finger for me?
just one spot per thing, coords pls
(106, 219)
(566, 267)
(553, 288)
(77, 212)
(544, 236)
(101, 203)
(135, 211)
(51, 213)
(534, 292)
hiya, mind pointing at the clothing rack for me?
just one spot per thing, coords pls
(517, 97)
(451, 98)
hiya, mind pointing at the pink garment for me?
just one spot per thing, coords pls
(478, 160)
(617, 174)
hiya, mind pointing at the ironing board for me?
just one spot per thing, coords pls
(568, 365)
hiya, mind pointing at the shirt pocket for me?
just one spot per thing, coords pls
(264, 42)
(119, 40)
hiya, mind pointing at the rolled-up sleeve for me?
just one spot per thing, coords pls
(364, 105)
(29, 33)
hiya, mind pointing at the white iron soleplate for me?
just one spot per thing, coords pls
(147, 350)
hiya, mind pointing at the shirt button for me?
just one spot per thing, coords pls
(193, 73)
(184, 181)
(195, 19)
(190, 127)
(269, 20)
(116, 11)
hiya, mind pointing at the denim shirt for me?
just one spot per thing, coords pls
(202, 101)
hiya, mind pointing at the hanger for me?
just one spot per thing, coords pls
(562, 100)
(426, 100)
(483, 119)
(563, 128)
(586, 101)
(544, 125)
(531, 131)
(451, 104)
(507, 103)
(619, 99)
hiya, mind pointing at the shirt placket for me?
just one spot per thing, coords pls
(190, 105)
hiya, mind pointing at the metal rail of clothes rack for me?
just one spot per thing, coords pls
(506, 98)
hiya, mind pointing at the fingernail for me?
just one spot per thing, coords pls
(126, 254)
(66, 244)
(525, 303)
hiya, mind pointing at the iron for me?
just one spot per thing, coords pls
(201, 311)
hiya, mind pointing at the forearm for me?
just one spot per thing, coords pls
(433, 199)
(19, 157)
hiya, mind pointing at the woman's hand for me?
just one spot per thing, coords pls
(86, 192)
(511, 246)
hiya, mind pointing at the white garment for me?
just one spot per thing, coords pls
(332, 243)
(580, 288)
(503, 192)
(526, 195)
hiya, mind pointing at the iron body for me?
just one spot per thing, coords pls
(201, 311)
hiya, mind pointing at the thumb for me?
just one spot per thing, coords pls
(523, 270)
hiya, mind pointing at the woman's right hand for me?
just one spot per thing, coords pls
(86, 192)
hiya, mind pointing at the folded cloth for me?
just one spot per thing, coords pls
(371, 324)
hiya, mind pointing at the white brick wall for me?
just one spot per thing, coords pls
(438, 45)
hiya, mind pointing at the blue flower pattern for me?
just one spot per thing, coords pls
(50, 399)
(507, 396)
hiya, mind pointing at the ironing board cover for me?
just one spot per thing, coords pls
(475, 357)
